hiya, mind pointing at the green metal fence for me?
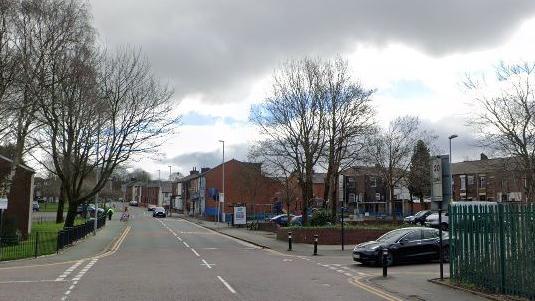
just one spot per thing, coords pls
(492, 246)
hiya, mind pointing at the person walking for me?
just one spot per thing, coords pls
(110, 213)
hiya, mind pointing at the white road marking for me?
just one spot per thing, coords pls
(209, 265)
(78, 277)
(193, 250)
(287, 260)
(210, 248)
(186, 244)
(226, 284)
(68, 271)
(348, 274)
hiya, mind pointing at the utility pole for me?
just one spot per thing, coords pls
(159, 188)
(223, 190)
(451, 172)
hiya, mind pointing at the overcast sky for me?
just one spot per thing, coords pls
(219, 56)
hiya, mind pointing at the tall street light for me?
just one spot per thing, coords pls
(171, 183)
(223, 190)
(451, 171)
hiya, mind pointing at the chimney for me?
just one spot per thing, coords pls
(484, 157)
(205, 169)
(194, 171)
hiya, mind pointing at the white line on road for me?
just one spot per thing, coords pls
(186, 244)
(226, 284)
(193, 250)
(68, 271)
(207, 264)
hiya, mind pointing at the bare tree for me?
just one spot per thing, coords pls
(292, 121)
(391, 150)
(505, 117)
(350, 118)
(110, 108)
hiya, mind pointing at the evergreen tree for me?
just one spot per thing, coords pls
(420, 172)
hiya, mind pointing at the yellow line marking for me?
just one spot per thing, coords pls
(356, 281)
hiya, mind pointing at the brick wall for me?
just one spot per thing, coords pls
(329, 236)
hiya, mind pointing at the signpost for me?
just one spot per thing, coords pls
(3, 206)
(441, 194)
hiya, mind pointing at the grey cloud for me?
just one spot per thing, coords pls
(208, 47)
(185, 162)
(465, 147)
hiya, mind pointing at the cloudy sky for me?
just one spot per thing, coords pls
(219, 56)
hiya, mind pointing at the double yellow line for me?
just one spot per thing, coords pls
(116, 245)
(356, 282)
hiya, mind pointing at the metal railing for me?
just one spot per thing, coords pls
(493, 247)
(44, 243)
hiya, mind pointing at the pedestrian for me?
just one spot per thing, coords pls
(110, 213)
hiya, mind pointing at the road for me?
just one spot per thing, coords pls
(174, 259)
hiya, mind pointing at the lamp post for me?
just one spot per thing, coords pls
(451, 171)
(171, 183)
(223, 189)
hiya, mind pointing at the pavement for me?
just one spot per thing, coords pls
(177, 259)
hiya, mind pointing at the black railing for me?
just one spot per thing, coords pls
(68, 236)
(44, 243)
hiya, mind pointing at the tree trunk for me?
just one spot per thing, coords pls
(71, 215)
(332, 197)
(61, 203)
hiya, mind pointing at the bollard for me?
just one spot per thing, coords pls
(315, 244)
(289, 241)
(385, 263)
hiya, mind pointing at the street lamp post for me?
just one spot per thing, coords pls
(223, 189)
(170, 181)
(451, 171)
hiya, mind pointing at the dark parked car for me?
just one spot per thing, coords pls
(281, 219)
(159, 212)
(418, 218)
(432, 221)
(412, 244)
(151, 207)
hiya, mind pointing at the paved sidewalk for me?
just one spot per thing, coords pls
(90, 246)
(269, 240)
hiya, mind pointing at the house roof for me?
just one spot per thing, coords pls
(20, 165)
(318, 178)
(361, 171)
(482, 166)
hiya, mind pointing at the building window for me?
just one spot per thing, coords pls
(377, 196)
(482, 182)
(463, 182)
(470, 180)
(352, 198)
(373, 181)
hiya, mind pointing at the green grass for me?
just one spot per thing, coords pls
(51, 226)
(51, 207)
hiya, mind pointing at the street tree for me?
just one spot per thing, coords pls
(391, 150)
(349, 120)
(292, 120)
(504, 117)
(419, 177)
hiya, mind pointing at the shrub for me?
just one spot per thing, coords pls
(320, 218)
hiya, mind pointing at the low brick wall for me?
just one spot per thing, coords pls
(329, 236)
(269, 227)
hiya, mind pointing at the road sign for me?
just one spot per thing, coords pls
(3, 203)
(240, 217)
(436, 179)
(221, 197)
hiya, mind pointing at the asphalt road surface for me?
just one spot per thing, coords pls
(174, 259)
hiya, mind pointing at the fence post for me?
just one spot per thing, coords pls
(502, 247)
(36, 244)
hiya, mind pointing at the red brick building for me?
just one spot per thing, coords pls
(17, 217)
(488, 180)
(244, 184)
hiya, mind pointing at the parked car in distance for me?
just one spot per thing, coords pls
(35, 206)
(298, 220)
(159, 212)
(413, 244)
(432, 221)
(281, 219)
(418, 218)
(151, 207)
(134, 203)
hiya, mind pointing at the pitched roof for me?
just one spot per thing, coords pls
(20, 165)
(482, 166)
(361, 171)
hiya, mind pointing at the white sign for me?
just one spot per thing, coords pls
(436, 179)
(240, 216)
(3, 203)
(221, 197)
